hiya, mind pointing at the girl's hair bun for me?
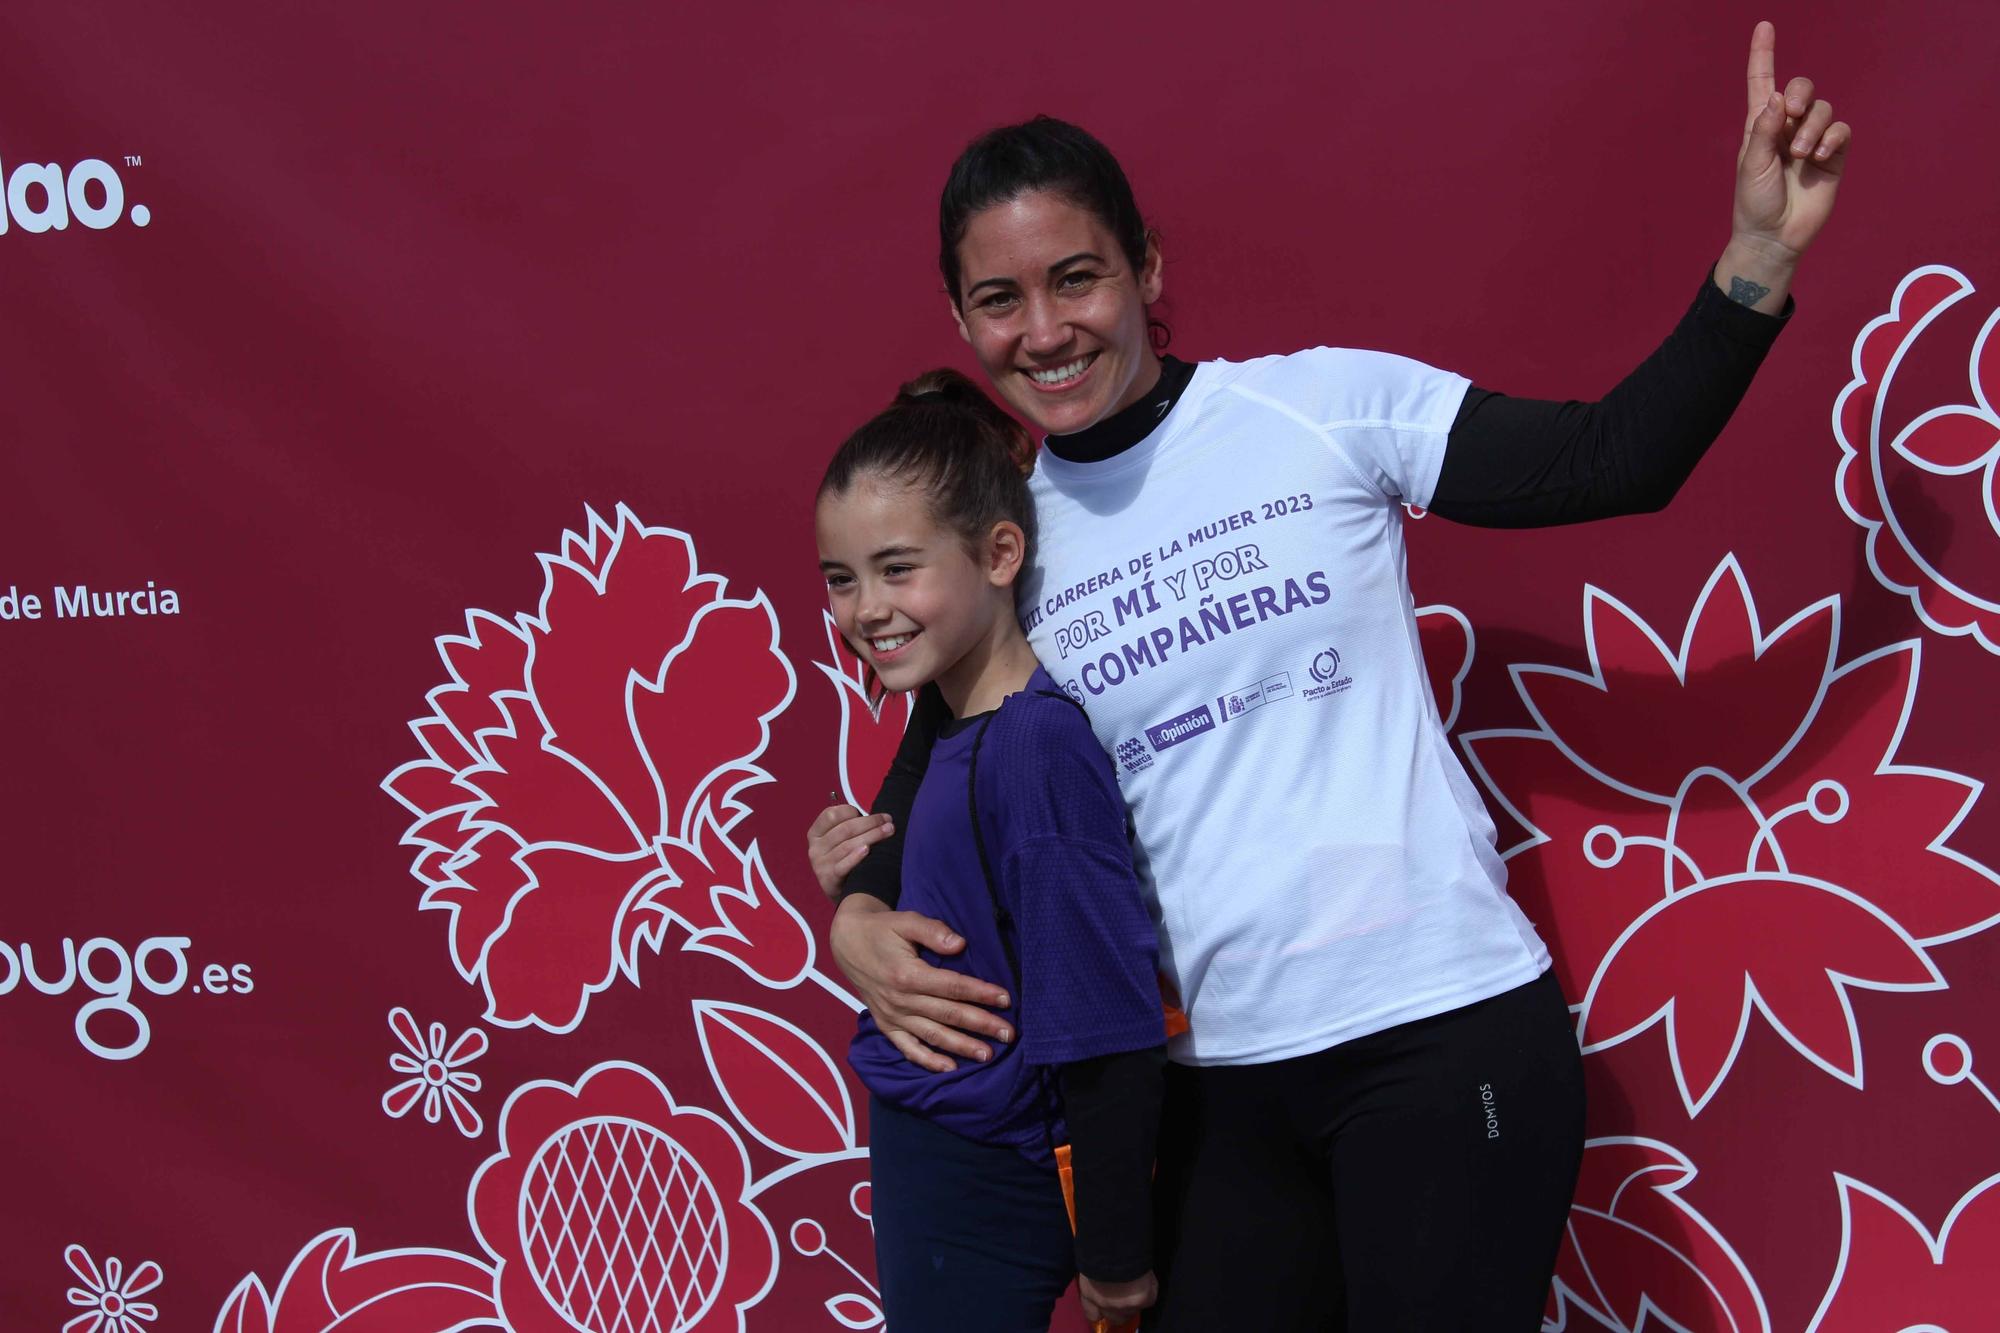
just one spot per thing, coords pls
(974, 416)
(945, 434)
(942, 385)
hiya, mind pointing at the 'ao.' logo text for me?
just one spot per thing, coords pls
(41, 196)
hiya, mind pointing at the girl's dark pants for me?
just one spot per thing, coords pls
(1414, 1180)
(968, 1238)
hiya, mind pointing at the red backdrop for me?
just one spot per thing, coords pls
(413, 926)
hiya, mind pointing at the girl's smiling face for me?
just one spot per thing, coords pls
(1055, 312)
(912, 601)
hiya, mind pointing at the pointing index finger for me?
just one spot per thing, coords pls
(1763, 66)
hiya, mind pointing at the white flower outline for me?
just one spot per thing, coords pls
(437, 1077)
(107, 1294)
(476, 715)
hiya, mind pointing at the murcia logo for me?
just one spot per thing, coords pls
(1133, 755)
(41, 196)
(1325, 666)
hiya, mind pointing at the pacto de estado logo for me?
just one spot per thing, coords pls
(43, 196)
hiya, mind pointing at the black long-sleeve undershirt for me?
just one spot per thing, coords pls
(1111, 1106)
(1525, 463)
(1508, 463)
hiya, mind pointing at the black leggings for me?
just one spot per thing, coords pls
(1416, 1179)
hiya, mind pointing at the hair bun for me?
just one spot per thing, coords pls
(957, 390)
(941, 385)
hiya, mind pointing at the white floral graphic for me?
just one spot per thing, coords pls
(1927, 493)
(1896, 1272)
(1744, 800)
(331, 1286)
(1637, 1257)
(108, 1294)
(850, 1309)
(583, 773)
(438, 1078)
(1948, 1060)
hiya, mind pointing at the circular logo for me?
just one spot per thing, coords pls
(1325, 665)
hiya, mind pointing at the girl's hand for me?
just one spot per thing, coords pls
(837, 841)
(1117, 1302)
(1791, 161)
(923, 1010)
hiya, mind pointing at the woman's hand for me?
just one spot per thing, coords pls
(924, 1010)
(1118, 1302)
(1787, 170)
(837, 841)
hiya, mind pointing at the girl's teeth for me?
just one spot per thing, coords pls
(890, 645)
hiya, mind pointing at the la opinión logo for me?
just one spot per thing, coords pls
(42, 196)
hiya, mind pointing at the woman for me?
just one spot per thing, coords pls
(1222, 586)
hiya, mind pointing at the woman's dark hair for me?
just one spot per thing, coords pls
(946, 437)
(1040, 154)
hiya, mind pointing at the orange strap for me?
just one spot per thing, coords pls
(1170, 1006)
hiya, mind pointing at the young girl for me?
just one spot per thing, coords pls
(1018, 837)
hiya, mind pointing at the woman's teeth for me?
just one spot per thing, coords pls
(892, 643)
(1059, 374)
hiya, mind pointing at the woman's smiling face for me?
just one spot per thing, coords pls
(1055, 312)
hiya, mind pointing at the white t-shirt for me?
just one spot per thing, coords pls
(1229, 601)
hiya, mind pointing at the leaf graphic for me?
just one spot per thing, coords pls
(1894, 1274)
(1633, 1248)
(854, 1310)
(1832, 939)
(1876, 825)
(248, 1309)
(328, 1289)
(1950, 440)
(778, 1082)
(1644, 718)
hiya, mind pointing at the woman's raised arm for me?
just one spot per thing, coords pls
(1516, 462)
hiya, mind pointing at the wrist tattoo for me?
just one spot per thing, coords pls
(1745, 292)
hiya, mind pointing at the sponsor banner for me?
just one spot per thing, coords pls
(415, 688)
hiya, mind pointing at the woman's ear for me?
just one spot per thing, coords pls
(1006, 549)
(958, 317)
(1150, 284)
